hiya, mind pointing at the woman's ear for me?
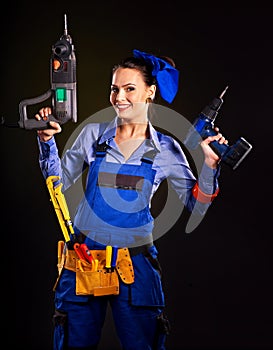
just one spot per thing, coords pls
(152, 91)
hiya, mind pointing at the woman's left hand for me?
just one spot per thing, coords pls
(211, 158)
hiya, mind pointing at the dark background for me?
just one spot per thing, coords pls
(218, 279)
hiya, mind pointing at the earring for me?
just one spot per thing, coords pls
(149, 100)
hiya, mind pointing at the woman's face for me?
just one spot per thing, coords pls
(129, 94)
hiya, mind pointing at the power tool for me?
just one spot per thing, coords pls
(203, 127)
(63, 90)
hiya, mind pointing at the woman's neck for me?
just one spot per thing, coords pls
(129, 130)
(130, 136)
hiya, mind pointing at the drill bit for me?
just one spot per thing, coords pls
(222, 94)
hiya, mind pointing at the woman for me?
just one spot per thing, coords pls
(127, 159)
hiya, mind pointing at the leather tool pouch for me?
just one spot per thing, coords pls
(100, 281)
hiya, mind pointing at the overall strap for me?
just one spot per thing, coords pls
(101, 148)
(149, 156)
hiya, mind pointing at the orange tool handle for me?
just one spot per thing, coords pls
(77, 248)
(86, 252)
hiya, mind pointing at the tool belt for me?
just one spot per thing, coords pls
(96, 279)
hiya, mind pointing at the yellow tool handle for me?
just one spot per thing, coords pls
(63, 206)
(95, 265)
(108, 256)
(60, 251)
(60, 206)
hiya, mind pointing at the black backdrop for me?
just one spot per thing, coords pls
(218, 279)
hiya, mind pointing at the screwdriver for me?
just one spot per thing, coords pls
(114, 257)
(108, 257)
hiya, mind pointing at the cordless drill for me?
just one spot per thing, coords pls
(63, 87)
(203, 127)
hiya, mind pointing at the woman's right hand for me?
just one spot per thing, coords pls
(46, 135)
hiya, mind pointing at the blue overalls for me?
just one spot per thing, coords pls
(138, 308)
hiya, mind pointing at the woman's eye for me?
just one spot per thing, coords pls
(130, 88)
(114, 89)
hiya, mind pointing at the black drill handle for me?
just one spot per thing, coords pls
(32, 123)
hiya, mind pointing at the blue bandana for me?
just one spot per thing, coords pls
(166, 75)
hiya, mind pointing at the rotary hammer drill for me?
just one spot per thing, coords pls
(63, 92)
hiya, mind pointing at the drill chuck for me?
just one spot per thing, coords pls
(62, 48)
(212, 109)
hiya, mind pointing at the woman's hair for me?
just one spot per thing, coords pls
(142, 66)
